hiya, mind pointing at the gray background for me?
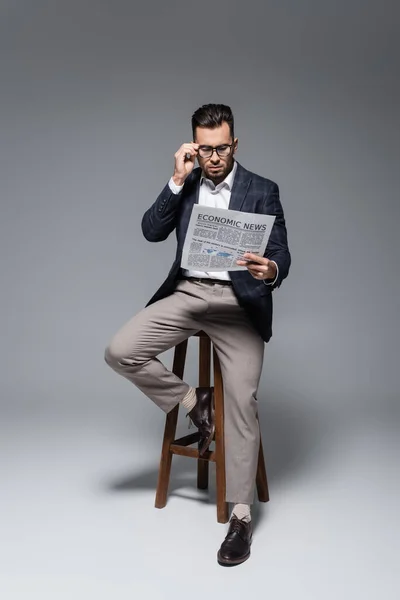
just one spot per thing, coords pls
(95, 99)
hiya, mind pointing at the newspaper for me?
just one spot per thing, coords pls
(217, 237)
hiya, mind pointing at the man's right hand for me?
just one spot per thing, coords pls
(183, 165)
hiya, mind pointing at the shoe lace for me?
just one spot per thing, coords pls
(236, 526)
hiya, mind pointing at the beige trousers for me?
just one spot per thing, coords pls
(213, 308)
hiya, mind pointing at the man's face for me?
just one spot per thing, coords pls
(215, 167)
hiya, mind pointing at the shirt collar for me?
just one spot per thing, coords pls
(228, 181)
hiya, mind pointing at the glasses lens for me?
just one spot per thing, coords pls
(205, 151)
(223, 151)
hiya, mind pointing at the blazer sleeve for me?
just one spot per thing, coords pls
(161, 218)
(277, 248)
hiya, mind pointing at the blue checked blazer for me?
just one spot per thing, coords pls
(250, 193)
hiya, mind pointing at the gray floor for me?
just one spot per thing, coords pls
(79, 521)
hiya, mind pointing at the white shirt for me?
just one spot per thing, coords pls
(217, 196)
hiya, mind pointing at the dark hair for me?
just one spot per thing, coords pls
(211, 116)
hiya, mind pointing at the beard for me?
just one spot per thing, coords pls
(219, 174)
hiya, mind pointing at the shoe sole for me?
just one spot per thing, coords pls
(231, 563)
(211, 436)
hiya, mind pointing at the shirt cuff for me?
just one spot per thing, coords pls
(276, 277)
(173, 187)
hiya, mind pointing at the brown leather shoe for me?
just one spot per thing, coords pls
(202, 416)
(235, 548)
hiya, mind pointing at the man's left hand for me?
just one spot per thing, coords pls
(258, 266)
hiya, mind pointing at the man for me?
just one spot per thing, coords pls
(233, 308)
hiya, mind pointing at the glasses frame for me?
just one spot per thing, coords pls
(216, 150)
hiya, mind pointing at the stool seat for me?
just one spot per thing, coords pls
(182, 446)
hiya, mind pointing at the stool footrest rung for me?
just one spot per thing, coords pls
(192, 452)
(187, 440)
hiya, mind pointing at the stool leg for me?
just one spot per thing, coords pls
(261, 478)
(169, 432)
(222, 505)
(164, 470)
(204, 381)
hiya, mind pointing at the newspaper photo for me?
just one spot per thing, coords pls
(216, 238)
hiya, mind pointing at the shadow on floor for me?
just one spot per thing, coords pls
(293, 434)
(182, 484)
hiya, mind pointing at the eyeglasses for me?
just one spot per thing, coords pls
(207, 151)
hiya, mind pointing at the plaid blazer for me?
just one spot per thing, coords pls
(250, 193)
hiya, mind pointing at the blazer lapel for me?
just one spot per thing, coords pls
(240, 187)
(191, 198)
(196, 185)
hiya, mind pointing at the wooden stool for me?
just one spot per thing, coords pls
(180, 446)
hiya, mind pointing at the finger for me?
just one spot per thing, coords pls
(257, 267)
(190, 147)
(246, 263)
(255, 258)
(258, 275)
(190, 153)
(185, 156)
(187, 152)
(258, 272)
(186, 148)
(252, 265)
